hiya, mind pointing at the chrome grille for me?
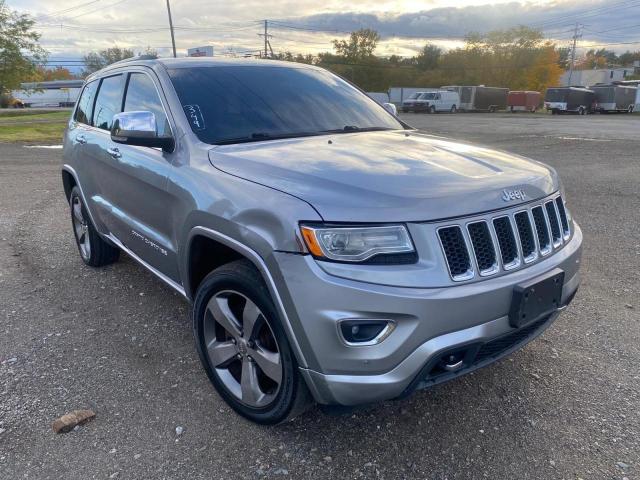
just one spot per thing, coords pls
(505, 241)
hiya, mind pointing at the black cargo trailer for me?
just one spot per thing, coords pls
(578, 100)
(480, 98)
(614, 98)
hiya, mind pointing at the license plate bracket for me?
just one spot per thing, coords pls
(536, 298)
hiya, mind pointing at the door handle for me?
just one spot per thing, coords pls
(114, 152)
(81, 139)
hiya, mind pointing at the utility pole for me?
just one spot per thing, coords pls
(267, 45)
(173, 37)
(573, 52)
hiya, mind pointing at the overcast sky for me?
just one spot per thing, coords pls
(72, 28)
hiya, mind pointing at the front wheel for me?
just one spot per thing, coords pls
(243, 347)
(432, 109)
(94, 251)
(453, 109)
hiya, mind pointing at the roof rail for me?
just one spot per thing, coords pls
(132, 59)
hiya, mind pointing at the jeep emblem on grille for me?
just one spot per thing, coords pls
(508, 195)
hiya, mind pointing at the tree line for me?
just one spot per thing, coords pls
(519, 58)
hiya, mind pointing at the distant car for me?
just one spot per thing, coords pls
(432, 102)
(330, 251)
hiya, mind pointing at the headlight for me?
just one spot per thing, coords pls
(357, 244)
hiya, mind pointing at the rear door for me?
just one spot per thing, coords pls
(135, 198)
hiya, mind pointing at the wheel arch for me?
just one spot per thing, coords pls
(231, 249)
(68, 182)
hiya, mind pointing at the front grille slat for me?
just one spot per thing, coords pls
(505, 241)
(544, 241)
(554, 222)
(456, 253)
(525, 232)
(483, 248)
(563, 217)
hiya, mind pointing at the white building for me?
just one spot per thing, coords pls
(598, 75)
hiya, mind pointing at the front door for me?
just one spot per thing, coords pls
(134, 200)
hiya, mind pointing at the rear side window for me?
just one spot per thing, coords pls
(108, 102)
(85, 104)
(143, 96)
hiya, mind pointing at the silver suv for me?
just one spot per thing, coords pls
(331, 252)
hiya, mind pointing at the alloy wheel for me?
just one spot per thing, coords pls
(242, 348)
(80, 228)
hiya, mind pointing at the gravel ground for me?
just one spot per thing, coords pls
(118, 341)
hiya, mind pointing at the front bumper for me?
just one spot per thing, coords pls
(429, 323)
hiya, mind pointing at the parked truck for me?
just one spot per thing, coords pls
(578, 100)
(480, 98)
(520, 100)
(615, 98)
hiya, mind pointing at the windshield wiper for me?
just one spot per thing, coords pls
(261, 136)
(355, 128)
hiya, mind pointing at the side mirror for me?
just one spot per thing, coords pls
(139, 128)
(391, 108)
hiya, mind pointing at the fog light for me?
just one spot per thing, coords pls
(365, 332)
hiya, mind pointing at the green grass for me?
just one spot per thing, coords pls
(26, 112)
(53, 116)
(36, 128)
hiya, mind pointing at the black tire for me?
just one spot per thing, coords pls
(99, 252)
(454, 109)
(432, 109)
(581, 111)
(292, 397)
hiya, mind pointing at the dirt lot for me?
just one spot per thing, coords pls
(118, 341)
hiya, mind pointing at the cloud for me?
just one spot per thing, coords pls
(235, 25)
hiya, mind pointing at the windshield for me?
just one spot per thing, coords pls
(235, 104)
(428, 96)
(414, 95)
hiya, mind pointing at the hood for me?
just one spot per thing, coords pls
(387, 176)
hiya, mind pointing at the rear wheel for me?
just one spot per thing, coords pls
(243, 347)
(630, 109)
(581, 111)
(453, 109)
(94, 251)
